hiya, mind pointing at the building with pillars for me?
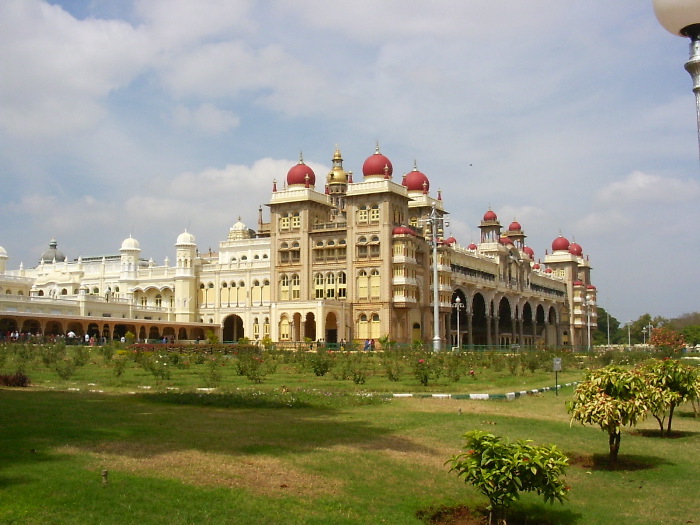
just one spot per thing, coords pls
(339, 260)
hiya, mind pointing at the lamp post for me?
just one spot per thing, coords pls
(629, 337)
(682, 17)
(435, 221)
(587, 303)
(457, 305)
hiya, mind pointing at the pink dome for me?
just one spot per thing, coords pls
(298, 173)
(575, 249)
(376, 164)
(515, 225)
(560, 243)
(490, 216)
(529, 251)
(402, 230)
(472, 246)
(415, 180)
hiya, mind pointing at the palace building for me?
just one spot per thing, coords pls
(339, 260)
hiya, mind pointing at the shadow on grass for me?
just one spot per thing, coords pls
(36, 423)
(656, 433)
(625, 462)
(519, 514)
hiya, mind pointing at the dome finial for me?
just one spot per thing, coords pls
(376, 148)
(301, 157)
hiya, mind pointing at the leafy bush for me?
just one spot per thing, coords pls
(14, 380)
(320, 362)
(501, 470)
(65, 368)
(611, 398)
(671, 384)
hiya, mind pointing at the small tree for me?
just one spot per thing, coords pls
(611, 398)
(667, 340)
(671, 384)
(501, 470)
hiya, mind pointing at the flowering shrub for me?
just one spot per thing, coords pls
(422, 370)
(320, 362)
(501, 470)
(611, 398)
(671, 384)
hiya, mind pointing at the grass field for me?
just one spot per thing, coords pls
(302, 449)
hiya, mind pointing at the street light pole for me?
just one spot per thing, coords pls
(435, 220)
(682, 18)
(457, 305)
(629, 337)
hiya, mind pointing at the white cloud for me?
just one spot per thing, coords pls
(640, 187)
(206, 118)
(58, 69)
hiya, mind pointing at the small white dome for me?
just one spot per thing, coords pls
(185, 238)
(3, 253)
(239, 225)
(130, 244)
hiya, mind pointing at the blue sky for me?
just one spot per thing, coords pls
(150, 117)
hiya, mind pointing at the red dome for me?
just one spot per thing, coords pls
(515, 225)
(297, 175)
(450, 240)
(506, 240)
(376, 164)
(402, 230)
(415, 180)
(529, 251)
(560, 243)
(490, 216)
(472, 246)
(548, 270)
(536, 266)
(591, 287)
(575, 249)
(578, 283)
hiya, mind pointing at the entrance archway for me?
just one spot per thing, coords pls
(233, 329)
(331, 328)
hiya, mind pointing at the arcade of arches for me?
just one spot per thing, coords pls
(100, 328)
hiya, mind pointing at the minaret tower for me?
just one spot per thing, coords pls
(185, 278)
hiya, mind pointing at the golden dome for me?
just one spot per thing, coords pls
(337, 175)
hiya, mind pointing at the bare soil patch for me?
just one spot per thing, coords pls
(263, 475)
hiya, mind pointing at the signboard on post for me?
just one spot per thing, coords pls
(556, 366)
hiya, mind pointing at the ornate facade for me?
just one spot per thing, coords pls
(338, 260)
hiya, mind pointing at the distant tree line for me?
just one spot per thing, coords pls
(642, 330)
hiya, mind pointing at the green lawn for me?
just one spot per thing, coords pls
(302, 449)
(175, 461)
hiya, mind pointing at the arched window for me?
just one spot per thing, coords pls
(362, 285)
(296, 287)
(374, 284)
(363, 327)
(284, 287)
(375, 327)
(342, 285)
(318, 281)
(330, 286)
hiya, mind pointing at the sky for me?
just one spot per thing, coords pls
(151, 117)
